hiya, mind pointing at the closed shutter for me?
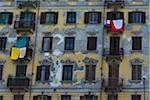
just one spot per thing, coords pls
(43, 18)
(93, 72)
(50, 43)
(21, 70)
(99, 18)
(70, 72)
(133, 72)
(47, 72)
(143, 17)
(87, 73)
(82, 97)
(48, 97)
(1, 72)
(86, 18)
(3, 43)
(33, 21)
(95, 97)
(10, 19)
(56, 18)
(92, 42)
(35, 97)
(38, 73)
(139, 72)
(130, 16)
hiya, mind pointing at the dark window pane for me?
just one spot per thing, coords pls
(3, 43)
(18, 97)
(115, 15)
(47, 44)
(137, 17)
(69, 43)
(136, 72)
(67, 72)
(136, 43)
(112, 97)
(71, 17)
(21, 70)
(66, 97)
(90, 72)
(1, 72)
(92, 43)
(92, 18)
(136, 97)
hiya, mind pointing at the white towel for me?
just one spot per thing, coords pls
(22, 52)
(118, 23)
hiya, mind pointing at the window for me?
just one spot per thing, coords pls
(6, 18)
(43, 73)
(1, 97)
(136, 72)
(92, 42)
(67, 72)
(47, 44)
(136, 43)
(115, 15)
(3, 43)
(66, 97)
(49, 18)
(112, 97)
(136, 97)
(71, 17)
(89, 97)
(90, 72)
(1, 72)
(92, 18)
(42, 97)
(137, 17)
(69, 43)
(21, 70)
(18, 97)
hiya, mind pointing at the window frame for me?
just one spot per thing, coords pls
(1, 71)
(70, 44)
(68, 17)
(90, 75)
(65, 97)
(87, 17)
(3, 45)
(18, 96)
(132, 97)
(50, 44)
(135, 75)
(18, 70)
(137, 17)
(136, 46)
(67, 76)
(9, 16)
(89, 43)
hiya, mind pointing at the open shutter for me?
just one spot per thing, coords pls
(86, 18)
(130, 15)
(87, 73)
(48, 97)
(10, 19)
(33, 21)
(143, 17)
(56, 18)
(3, 43)
(43, 18)
(82, 97)
(99, 18)
(47, 72)
(38, 73)
(35, 97)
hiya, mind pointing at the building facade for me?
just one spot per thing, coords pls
(74, 49)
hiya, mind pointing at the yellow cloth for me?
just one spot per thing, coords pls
(15, 53)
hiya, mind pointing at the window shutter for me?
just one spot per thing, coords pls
(50, 43)
(82, 97)
(33, 21)
(38, 73)
(95, 97)
(143, 17)
(1, 72)
(10, 19)
(90, 74)
(47, 72)
(35, 97)
(87, 72)
(133, 72)
(139, 71)
(99, 17)
(48, 97)
(43, 18)
(3, 43)
(93, 72)
(130, 15)
(86, 18)
(56, 18)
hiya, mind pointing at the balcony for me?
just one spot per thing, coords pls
(112, 84)
(25, 26)
(18, 83)
(113, 53)
(115, 4)
(27, 3)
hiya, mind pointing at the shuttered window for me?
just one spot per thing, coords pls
(18, 97)
(90, 72)
(137, 17)
(47, 44)
(92, 18)
(43, 73)
(89, 97)
(66, 97)
(136, 43)
(3, 43)
(69, 43)
(21, 70)
(1, 72)
(49, 18)
(115, 15)
(136, 72)
(71, 17)
(112, 97)
(6, 18)
(42, 97)
(67, 72)
(136, 97)
(92, 43)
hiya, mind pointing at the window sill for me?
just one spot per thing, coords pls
(136, 51)
(135, 81)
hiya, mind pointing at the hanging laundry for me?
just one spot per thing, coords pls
(117, 25)
(15, 53)
(22, 52)
(107, 22)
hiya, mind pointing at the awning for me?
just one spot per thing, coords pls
(22, 42)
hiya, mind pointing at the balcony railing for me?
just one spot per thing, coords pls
(18, 83)
(113, 52)
(27, 3)
(24, 25)
(112, 84)
(115, 4)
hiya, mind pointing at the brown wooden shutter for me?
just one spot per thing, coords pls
(35, 97)
(82, 97)
(47, 72)
(43, 18)
(143, 17)
(130, 15)
(38, 73)
(33, 20)
(10, 19)
(99, 18)
(86, 18)
(56, 18)
(95, 97)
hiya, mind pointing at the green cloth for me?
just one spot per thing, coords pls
(22, 42)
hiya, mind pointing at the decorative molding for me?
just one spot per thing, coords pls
(136, 61)
(46, 61)
(88, 60)
(22, 62)
(47, 33)
(67, 61)
(92, 33)
(136, 32)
